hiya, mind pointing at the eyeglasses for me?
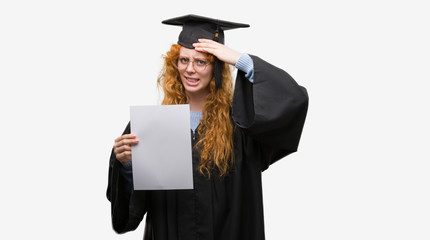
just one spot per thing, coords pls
(198, 65)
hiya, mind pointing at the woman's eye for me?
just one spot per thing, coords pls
(184, 60)
(201, 62)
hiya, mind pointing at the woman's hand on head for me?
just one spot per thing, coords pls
(219, 50)
(122, 147)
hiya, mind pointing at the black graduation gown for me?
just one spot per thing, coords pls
(269, 115)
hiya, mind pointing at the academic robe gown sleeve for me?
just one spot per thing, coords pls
(128, 207)
(271, 110)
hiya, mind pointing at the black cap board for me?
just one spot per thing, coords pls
(195, 27)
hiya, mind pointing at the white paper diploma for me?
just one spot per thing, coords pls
(162, 159)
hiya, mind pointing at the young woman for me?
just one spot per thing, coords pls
(237, 134)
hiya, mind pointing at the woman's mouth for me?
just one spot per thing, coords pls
(192, 81)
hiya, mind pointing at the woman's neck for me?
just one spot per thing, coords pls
(197, 101)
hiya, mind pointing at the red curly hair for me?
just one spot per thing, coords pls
(216, 127)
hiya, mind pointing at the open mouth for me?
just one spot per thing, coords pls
(192, 81)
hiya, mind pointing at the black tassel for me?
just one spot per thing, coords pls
(218, 73)
(218, 63)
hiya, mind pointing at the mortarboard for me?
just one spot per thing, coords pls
(195, 27)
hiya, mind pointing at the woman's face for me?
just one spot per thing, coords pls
(195, 70)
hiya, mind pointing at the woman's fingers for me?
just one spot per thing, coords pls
(124, 156)
(127, 139)
(122, 147)
(206, 45)
(126, 142)
(125, 136)
(219, 50)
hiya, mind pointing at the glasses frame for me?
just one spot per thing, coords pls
(185, 65)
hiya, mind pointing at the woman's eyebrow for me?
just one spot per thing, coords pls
(194, 58)
(201, 58)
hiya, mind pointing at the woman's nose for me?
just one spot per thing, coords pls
(190, 67)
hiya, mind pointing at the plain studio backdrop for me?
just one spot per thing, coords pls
(69, 71)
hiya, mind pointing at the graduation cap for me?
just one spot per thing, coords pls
(195, 27)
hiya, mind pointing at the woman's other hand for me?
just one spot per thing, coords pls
(219, 50)
(122, 147)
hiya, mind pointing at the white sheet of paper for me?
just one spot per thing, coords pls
(162, 159)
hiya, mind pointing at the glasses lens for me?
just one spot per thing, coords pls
(198, 65)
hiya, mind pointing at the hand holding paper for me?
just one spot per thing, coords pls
(122, 147)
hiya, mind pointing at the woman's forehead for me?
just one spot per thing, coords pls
(191, 53)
